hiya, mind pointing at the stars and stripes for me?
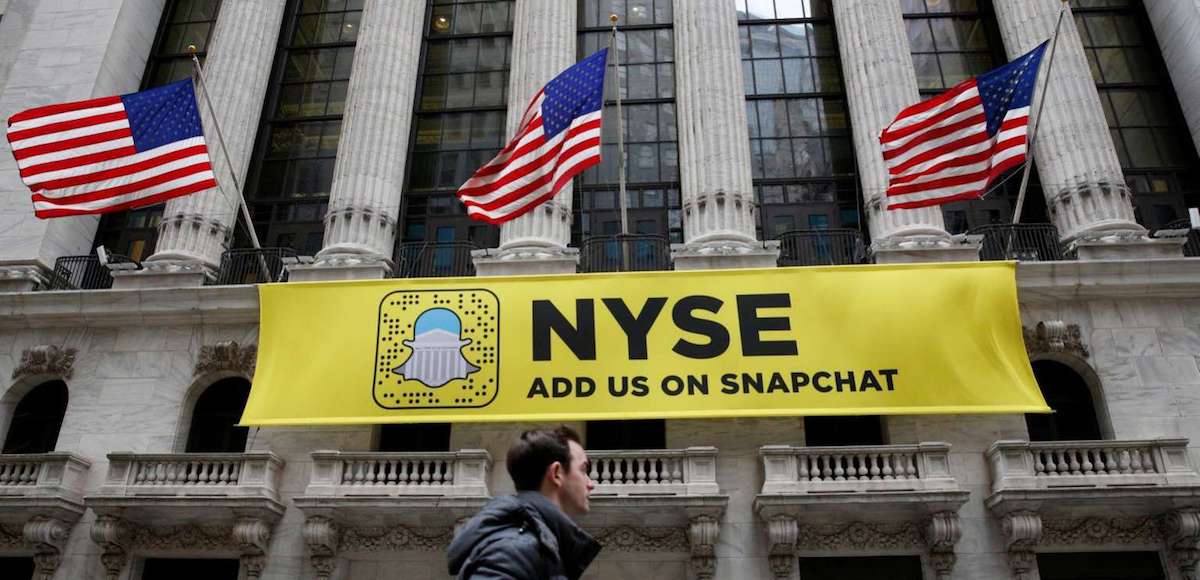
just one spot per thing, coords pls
(558, 137)
(112, 153)
(953, 146)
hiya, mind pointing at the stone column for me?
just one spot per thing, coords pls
(364, 204)
(1081, 175)
(880, 82)
(719, 209)
(1175, 25)
(543, 46)
(197, 228)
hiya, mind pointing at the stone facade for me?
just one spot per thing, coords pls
(980, 502)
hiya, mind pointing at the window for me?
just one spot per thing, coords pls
(635, 434)
(37, 419)
(842, 431)
(17, 567)
(292, 171)
(214, 418)
(462, 101)
(1101, 566)
(1156, 151)
(185, 24)
(1074, 417)
(862, 568)
(414, 437)
(190, 569)
(803, 159)
(646, 47)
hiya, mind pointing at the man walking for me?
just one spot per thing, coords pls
(530, 535)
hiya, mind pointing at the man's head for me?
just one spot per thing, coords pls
(554, 463)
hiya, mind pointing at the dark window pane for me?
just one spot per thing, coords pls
(422, 437)
(215, 416)
(843, 431)
(36, 419)
(634, 434)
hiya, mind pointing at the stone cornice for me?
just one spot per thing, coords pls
(1036, 282)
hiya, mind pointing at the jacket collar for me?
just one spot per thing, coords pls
(573, 545)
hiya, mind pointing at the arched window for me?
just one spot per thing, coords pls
(1074, 417)
(37, 418)
(215, 417)
(417, 437)
(626, 434)
(843, 431)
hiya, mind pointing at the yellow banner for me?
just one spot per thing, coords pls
(847, 340)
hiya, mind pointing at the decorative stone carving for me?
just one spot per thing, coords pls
(48, 536)
(112, 535)
(1182, 531)
(642, 539)
(11, 538)
(46, 359)
(782, 534)
(1022, 531)
(388, 539)
(321, 535)
(253, 537)
(703, 532)
(226, 356)
(859, 536)
(942, 532)
(1055, 336)
(1074, 532)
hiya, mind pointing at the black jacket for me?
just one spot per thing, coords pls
(521, 537)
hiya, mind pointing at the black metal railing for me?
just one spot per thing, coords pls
(79, 273)
(250, 266)
(625, 253)
(830, 247)
(434, 259)
(1191, 248)
(1025, 242)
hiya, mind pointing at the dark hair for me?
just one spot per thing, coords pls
(537, 449)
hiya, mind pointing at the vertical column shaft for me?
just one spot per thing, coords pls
(880, 82)
(1078, 165)
(364, 202)
(714, 139)
(543, 46)
(198, 227)
(1175, 25)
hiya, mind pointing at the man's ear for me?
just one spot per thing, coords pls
(555, 473)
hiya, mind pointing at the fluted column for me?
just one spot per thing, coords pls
(197, 228)
(1081, 175)
(880, 82)
(364, 202)
(543, 45)
(1175, 24)
(719, 209)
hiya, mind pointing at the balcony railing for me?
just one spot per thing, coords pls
(680, 472)
(193, 474)
(1025, 242)
(865, 469)
(1191, 248)
(434, 259)
(250, 266)
(84, 272)
(821, 247)
(1022, 465)
(447, 474)
(625, 253)
(43, 475)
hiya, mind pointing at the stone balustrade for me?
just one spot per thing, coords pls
(461, 473)
(192, 474)
(882, 468)
(1024, 465)
(32, 480)
(682, 472)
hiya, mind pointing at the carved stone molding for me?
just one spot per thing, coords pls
(782, 535)
(1074, 532)
(641, 539)
(112, 535)
(253, 537)
(210, 538)
(46, 359)
(860, 536)
(11, 538)
(1054, 336)
(1022, 532)
(48, 536)
(1182, 531)
(703, 532)
(226, 356)
(942, 532)
(396, 538)
(321, 536)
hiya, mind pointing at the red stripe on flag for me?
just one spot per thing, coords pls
(124, 169)
(65, 144)
(536, 183)
(48, 110)
(144, 201)
(61, 126)
(128, 187)
(528, 167)
(890, 135)
(81, 160)
(935, 133)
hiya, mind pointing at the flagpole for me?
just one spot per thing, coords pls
(620, 127)
(1033, 133)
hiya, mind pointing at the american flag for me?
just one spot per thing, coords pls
(112, 153)
(953, 146)
(559, 136)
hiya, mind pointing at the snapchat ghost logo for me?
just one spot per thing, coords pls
(437, 349)
(437, 356)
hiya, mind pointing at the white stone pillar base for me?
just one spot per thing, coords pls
(341, 267)
(1128, 245)
(164, 274)
(910, 249)
(525, 260)
(22, 276)
(724, 255)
